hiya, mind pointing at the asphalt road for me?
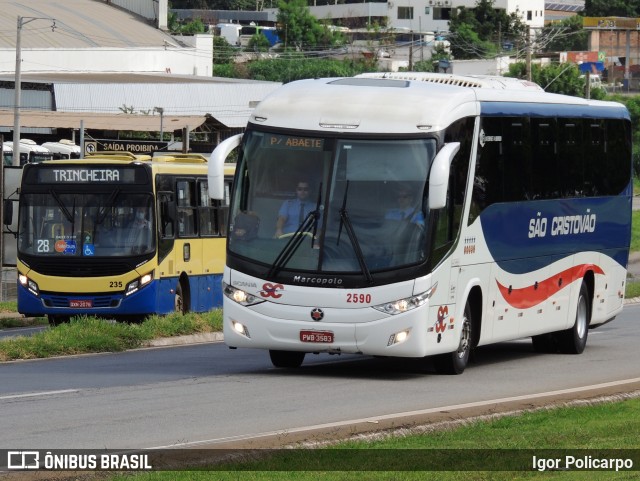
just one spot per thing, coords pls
(209, 395)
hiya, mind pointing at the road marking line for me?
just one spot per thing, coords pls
(376, 419)
(36, 394)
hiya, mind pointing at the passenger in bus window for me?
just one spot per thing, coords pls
(139, 230)
(246, 226)
(293, 212)
(407, 209)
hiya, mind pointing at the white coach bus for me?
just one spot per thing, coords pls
(445, 213)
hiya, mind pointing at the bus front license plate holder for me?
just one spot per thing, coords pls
(80, 303)
(324, 337)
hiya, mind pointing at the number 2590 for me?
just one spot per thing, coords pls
(359, 298)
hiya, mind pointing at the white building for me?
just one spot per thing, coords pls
(98, 36)
(426, 15)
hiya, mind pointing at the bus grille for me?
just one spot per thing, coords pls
(91, 268)
(97, 301)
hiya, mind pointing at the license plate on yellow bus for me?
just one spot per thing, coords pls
(316, 336)
(80, 303)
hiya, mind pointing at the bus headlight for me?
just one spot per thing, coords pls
(241, 297)
(399, 337)
(31, 285)
(406, 304)
(137, 284)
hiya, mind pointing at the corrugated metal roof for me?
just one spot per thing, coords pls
(78, 24)
(91, 120)
(231, 104)
(230, 101)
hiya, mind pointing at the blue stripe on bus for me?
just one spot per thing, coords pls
(520, 241)
(155, 298)
(527, 109)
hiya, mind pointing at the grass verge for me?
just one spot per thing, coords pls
(88, 334)
(497, 449)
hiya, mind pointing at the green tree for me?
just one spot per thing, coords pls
(438, 53)
(188, 28)
(223, 52)
(559, 78)
(479, 32)
(300, 30)
(258, 43)
(612, 8)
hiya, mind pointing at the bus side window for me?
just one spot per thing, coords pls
(186, 208)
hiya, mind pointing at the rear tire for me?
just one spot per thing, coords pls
(288, 359)
(455, 362)
(574, 340)
(179, 301)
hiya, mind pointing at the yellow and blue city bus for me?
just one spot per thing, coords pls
(79, 252)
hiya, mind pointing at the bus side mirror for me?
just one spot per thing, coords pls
(216, 166)
(8, 212)
(439, 177)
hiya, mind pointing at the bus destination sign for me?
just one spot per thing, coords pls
(103, 174)
(292, 142)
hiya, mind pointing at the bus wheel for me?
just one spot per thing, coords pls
(178, 301)
(456, 362)
(574, 339)
(286, 358)
(57, 320)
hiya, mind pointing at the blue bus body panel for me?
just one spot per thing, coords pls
(526, 236)
(157, 297)
(526, 109)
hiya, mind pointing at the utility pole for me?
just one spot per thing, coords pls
(16, 88)
(160, 110)
(18, 80)
(529, 55)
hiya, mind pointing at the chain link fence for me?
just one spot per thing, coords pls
(8, 288)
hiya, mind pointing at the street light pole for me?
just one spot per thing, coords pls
(17, 90)
(160, 110)
(18, 80)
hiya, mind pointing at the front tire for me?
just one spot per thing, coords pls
(56, 320)
(455, 362)
(288, 359)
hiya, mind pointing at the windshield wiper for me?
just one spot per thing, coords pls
(63, 208)
(346, 221)
(70, 216)
(102, 211)
(296, 239)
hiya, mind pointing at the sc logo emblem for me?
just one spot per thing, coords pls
(271, 290)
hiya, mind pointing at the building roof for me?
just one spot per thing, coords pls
(571, 6)
(102, 121)
(184, 99)
(67, 26)
(78, 24)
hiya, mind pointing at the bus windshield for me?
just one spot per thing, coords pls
(330, 204)
(111, 223)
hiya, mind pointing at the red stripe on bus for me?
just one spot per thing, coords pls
(525, 297)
